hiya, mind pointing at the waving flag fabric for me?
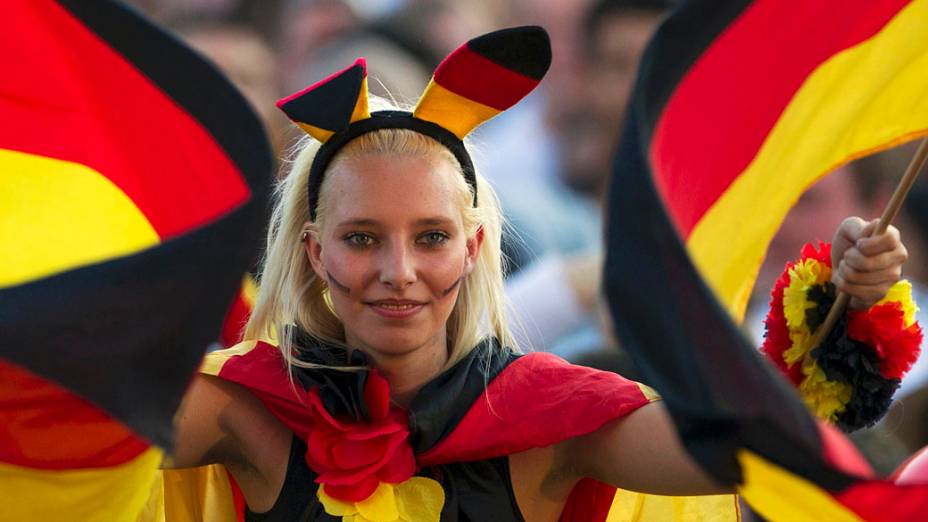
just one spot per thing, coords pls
(134, 185)
(738, 108)
(773, 96)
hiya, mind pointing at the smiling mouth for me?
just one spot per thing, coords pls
(396, 309)
(390, 306)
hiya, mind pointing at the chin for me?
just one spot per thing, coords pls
(395, 341)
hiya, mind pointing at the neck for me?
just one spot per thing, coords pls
(407, 372)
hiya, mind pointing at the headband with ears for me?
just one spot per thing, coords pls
(477, 81)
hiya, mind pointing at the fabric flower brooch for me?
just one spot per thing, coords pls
(850, 379)
(358, 443)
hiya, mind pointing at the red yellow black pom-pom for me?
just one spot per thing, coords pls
(851, 377)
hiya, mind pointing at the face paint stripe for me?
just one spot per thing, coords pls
(452, 287)
(335, 283)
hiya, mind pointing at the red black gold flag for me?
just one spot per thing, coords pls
(739, 106)
(134, 186)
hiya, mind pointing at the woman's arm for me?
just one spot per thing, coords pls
(220, 422)
(641, 452)
(205, 424)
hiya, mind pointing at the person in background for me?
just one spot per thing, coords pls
(907, 419)
(862, 188)
(242, 54)
(557, 218)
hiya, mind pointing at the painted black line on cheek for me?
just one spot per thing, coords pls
(451, 288)
(334, 282)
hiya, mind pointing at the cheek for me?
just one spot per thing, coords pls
(347, 272)
(444, 274)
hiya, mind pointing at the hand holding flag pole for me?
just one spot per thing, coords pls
(889, 213)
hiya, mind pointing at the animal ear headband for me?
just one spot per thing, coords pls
(477, 81)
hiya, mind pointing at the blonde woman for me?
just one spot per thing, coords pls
(393, 390)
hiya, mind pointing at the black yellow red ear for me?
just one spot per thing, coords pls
(484, 77)
(329, 106)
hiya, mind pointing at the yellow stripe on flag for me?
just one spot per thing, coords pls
(777, 494)
(58, 215)
(452, 111)
(201, 494)
(213, 361)
(631, 506)
(865, 99)
(112, 494)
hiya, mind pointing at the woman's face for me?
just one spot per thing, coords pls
(393, 251)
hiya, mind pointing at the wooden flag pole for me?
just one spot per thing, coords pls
(892, 208)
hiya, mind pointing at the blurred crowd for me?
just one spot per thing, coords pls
(550, 157)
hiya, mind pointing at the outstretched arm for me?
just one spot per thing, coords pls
(642, 452)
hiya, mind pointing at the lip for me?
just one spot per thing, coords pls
(395, 308)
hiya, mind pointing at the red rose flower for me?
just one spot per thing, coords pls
(352, 458)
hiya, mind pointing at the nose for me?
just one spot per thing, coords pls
(397, 267)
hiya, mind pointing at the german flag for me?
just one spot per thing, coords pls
(134, 182)
(739, 106)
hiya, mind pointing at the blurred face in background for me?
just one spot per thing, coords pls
(248, 61)
(815, 217)
(589, 121)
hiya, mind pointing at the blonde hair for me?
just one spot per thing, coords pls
(291, 293)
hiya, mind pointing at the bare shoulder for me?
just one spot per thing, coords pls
(221, 422)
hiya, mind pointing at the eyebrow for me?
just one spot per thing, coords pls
(358, 222)
(367, 222)
(433, 221)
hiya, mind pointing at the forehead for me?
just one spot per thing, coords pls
(389, 187)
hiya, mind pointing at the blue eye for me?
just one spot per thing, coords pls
(433, 239)
(358, 239)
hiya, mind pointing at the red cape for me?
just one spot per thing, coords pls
(536, 400)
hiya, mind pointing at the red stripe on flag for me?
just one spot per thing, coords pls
(883, 501)
(476, 78)
(728, 102)
(841, 453)
(43, 426)
(65, 95)
(238, 498)
(589, 501)
(873, 500)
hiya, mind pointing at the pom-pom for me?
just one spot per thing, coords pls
(850, 379)
(777, 338)
(890, 328)
(854, 364)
